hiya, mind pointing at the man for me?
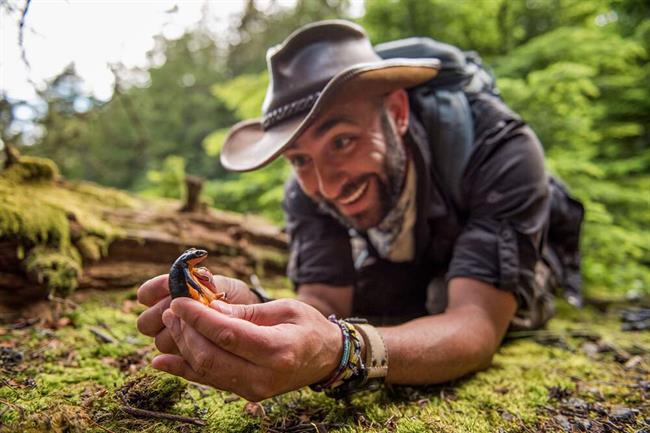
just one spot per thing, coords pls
(374, 233)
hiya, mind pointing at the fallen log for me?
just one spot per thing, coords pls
(140, 240)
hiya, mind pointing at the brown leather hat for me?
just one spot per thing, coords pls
(316, 66)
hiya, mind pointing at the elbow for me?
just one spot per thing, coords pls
(482, 354)
(484, 361)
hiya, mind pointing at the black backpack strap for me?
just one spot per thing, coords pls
(447, 119)
(442, 107)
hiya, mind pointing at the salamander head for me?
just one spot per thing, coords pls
(193, 256)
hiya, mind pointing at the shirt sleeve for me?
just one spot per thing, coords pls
(319, 245)
(506, 188)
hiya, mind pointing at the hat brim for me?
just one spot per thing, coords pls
(248, 146)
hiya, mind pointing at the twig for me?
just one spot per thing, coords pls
(99, 425)
(105, 326)
(63, 301)
(103, 337)
(583, 333)
(21, 42)
(142, 413)
(19, 408)
(24, 324)
(10, 386)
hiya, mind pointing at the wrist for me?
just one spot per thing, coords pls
(350, 371)
(333, 354)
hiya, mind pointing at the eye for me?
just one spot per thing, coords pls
(298, 161)
(342, 143)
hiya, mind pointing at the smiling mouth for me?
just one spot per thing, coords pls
(355, 195)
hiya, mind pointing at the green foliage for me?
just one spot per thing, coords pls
(257, 30)
(169, 181)
(163, 111)
(255, 192)
(243, 95)
(491, 27)
(577, 87)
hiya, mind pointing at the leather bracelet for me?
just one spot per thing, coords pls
(376, 359)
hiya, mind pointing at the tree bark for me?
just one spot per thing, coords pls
(194, 185)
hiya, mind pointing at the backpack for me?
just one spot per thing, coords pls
(443, 104)
(449, 105)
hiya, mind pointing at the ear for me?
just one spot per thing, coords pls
(397, 104)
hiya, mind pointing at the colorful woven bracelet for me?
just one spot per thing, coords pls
(345, 334)
(351, 367)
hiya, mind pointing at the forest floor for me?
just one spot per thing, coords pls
(88, 372)
(80, 365)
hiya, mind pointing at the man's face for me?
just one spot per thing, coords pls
(352, 161)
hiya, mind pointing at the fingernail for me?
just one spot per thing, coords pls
(158, 362)
(169, 319)
(222, 307)
(175, 304)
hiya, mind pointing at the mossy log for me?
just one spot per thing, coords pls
(238, 246)
(57, 236)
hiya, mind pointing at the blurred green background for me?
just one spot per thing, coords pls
(576, 70)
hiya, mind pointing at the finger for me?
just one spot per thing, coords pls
(236, 290)
(185, 344)
(214, 365)
(176, 365)
(153, 290)
(150, 320)
(237, 336)
(266, 314)
(165, 342)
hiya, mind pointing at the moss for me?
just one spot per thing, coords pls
(58, 269)
(38, 215)
(60, 418)
(152, 390)
(411, 425)
(70, 369)
(110, 197)
(24, 216)
(32, 169)
(91, 247)
(231, 418)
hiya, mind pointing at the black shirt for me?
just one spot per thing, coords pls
(497, 235)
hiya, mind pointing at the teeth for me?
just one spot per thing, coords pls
(355, 196)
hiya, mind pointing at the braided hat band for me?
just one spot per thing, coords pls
(291, 109)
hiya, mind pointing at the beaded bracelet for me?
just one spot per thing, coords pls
(351, 367)
(344, 359)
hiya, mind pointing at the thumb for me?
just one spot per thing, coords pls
(267, 314)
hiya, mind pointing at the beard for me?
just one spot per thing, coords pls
(389, 190)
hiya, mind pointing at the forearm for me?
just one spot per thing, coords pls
(321, 305)
(439, 348)
(327, 299)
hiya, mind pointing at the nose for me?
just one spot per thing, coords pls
(330, 180)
